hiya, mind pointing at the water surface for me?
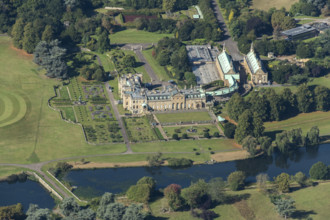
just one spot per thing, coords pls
(95, 182)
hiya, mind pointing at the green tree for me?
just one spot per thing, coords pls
(114, 211)
(285, 207)
(248, 124)
(196, 194)
(281, 21)
(18, 33)
(12, 212)
(175, 136)
(51, 57)
(250, 144)
(236, 106)
(151, 182)
(266, 145)
(262, 180)
(259, 105)
(216, 189)
(173, 195)
(283, 182)
(319, 171)
(305, 99)
(129, 61)
(155, 160)
(300, 178)
(106, 199)
(168, 5)
(48, 34)
(229, 130)
(139, 193)
(103, 42)
(30, 39)
(313, 136)
(236, 180)
(134, 212)
(322, 98)
(69, 206)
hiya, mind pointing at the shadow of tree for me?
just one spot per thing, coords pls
(236, 198)
(302, 214)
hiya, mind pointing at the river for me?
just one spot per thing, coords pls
(26, 193)
(95, 182)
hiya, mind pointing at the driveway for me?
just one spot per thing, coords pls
(231, 45)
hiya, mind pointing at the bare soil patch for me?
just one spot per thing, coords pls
(230, 156)
(21, 52)
(91, 165)
(244, 209)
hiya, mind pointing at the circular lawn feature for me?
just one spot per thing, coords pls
(12, 108)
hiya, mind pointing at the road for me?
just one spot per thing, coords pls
(231, 45)
(119, 119)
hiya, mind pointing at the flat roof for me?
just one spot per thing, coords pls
(201, 53)
(298, 30)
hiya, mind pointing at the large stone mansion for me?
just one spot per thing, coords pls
(139, 100)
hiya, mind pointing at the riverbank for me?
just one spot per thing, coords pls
(215, 158)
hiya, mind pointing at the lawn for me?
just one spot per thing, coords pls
(140, 68)
(199, 130)
(183, 117)
(136, 36)
(186, 146)
(42, 135)
(267, 4)
(314, 200)
(69, 113)
(252, 205)
(139, 129)
(304, 121)
(6, 171)
(158, 69)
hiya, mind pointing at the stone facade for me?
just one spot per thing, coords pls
(139, 100)
(255, 68)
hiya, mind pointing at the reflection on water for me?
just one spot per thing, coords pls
(25, 192)
(92, 183)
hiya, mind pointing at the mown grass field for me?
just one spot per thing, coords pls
(267, 4)
(136, 36)
(186, 146)
(41, 135)
(304, 121)
(183, 117)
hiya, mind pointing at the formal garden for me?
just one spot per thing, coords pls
(139, 129)
(183, 117)
(192, 131)
(87, 104)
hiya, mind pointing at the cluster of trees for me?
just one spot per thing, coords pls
(170, 51)
(286, 72)
(319, 48)
(207, 28)
(278, 47)
(310, 7)
(153, 25)
(267, 105)
(246, 26)
(287, 141)
(167, 5)
(51, 57)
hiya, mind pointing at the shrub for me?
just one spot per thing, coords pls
(175, 136)
(206, 135)
(300, 178)
(283, 182)
(216, 134)
(139, 193)
(149, 181)
(184, 136)
(236, 180)
(319, 171)
(179, 162)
